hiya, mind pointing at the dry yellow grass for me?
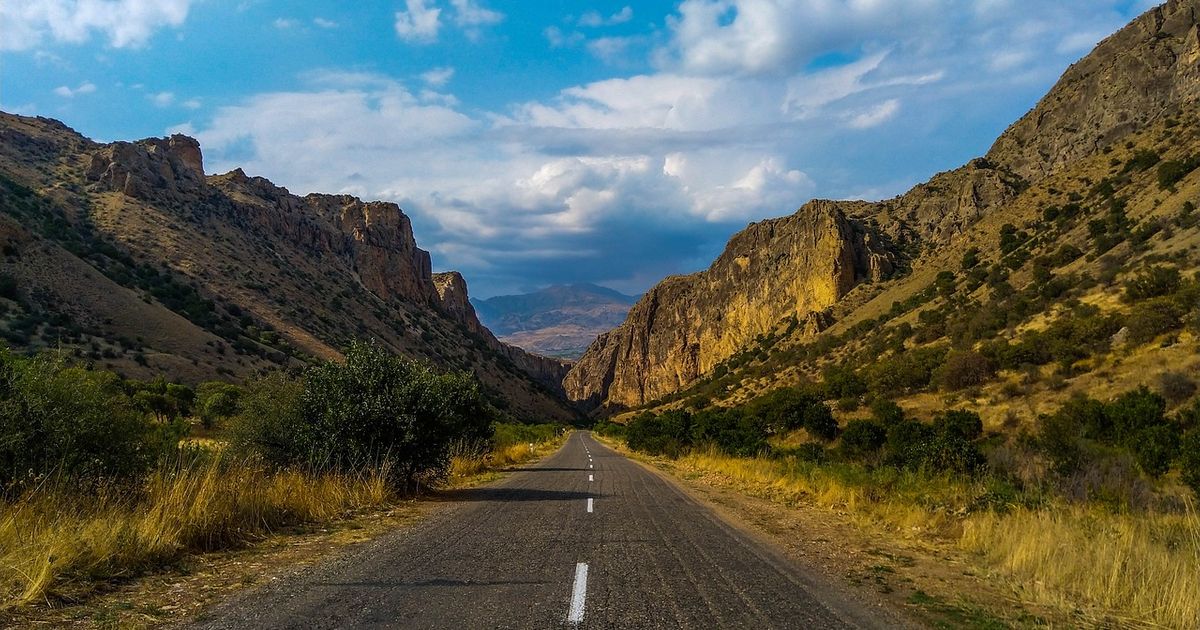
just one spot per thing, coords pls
(467, 465)
(1137, 569)
(1142, 569)
(57, 541)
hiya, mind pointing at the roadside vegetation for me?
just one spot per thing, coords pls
(1091, 512)
(103, 478)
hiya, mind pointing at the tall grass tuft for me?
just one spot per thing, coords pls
(1139, 569)
(1131, 568)
(55, 542)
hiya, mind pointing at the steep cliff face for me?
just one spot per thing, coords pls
(1131, 78)
(782, 268)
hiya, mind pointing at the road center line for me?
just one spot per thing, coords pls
(590, 478)
(578, 594)
(589, 506)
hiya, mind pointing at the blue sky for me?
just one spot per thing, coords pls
(536, 142)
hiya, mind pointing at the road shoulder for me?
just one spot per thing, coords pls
(185, 590)
(909, 582)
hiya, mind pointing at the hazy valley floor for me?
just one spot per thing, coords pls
(585, 538)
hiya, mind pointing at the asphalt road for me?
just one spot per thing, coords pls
(586, 538)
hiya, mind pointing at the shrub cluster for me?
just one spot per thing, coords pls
(1083, 428)
(60, 419)
(374, 409)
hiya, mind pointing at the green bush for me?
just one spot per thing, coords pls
(819, 422)
(1155, 448)
(509, 433)
(1132, 412)
(863, 438)
(886, 412)
(374, 409)
(666, 434)
(732, 431)
(841, 381)
(57, 418)
(908, 443)
(1152, 282)
(788, 409)
(1189, 461)
(965, 369)
(1147, 320)
(217, 401)
(906, 372)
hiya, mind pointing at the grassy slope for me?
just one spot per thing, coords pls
(1102, 376)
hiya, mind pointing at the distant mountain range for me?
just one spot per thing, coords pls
(558, 321)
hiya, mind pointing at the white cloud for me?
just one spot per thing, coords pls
(743, 114)
(594, 19)
(162, 99)
(284, 24)
(875, 116)
(124, 23)
(418, 23)
(86, 87)
(324, 23)
(559, 39)
(471, 13)
(610, 48)
(192, 103)
(437, 77)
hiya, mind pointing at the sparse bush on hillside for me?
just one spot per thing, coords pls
(1176, 387)
(970, 259)
(886, 412)
(863, 438)
(945, 283)
(1149, 319)
(1151, 282)
(1171, 172)
(964, 369)
(906, 372)
(842, 381)
(1142, 160)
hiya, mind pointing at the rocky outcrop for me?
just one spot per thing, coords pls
(149, 168)
(793, 267)
(454, 300)
(1136, 75)
(385, 253)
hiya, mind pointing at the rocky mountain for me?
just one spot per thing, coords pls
(559, 321)
(786, 283)
(129, 255)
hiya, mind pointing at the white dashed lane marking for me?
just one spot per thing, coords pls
(578, 594)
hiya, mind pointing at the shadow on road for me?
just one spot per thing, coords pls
(423, 583)
(544, 469)
(509, 494)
